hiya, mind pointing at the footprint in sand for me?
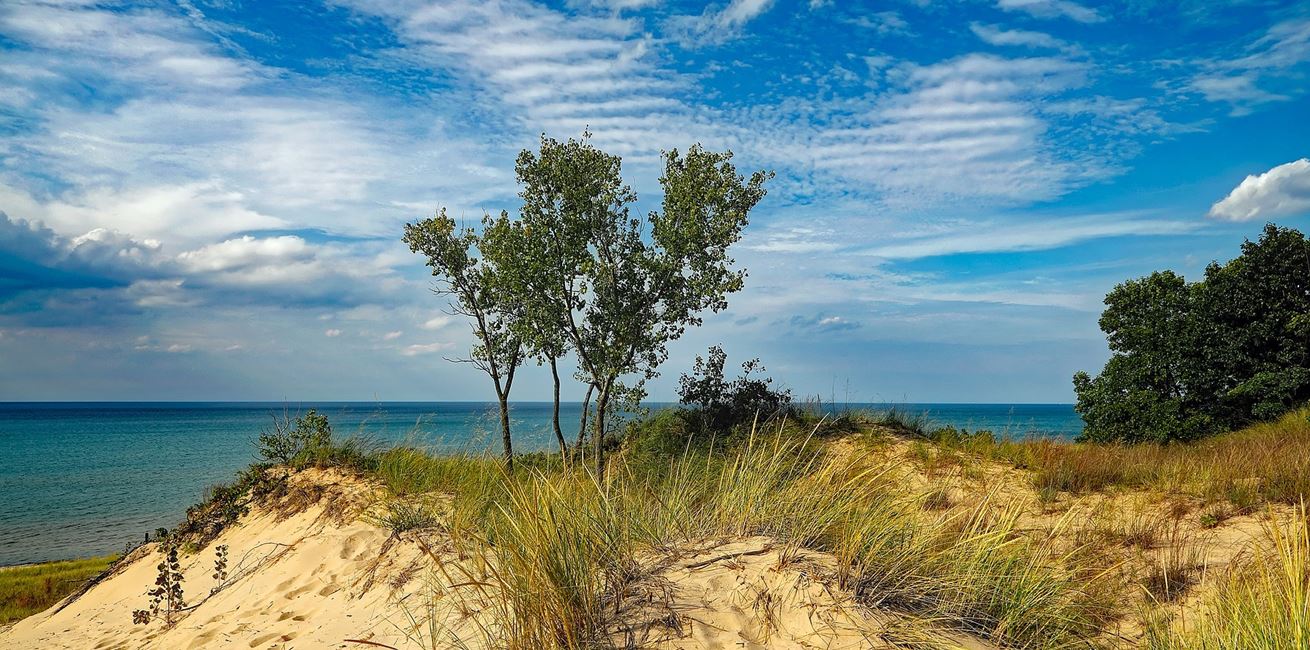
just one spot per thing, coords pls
(201, 640)
(296, 593)
(275, 636)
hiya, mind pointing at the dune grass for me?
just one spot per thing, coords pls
(1262, 603)
(26, 590)
(1267, 462)
(556, 550)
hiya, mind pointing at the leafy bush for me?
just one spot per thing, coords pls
(292, 441)
(1191, 359)
(720, 404)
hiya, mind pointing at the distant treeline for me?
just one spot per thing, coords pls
(1191, 359)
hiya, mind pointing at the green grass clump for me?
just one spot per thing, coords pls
(1262, 604)
(26, 590)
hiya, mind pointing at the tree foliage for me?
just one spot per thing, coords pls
(477, 290)
(624, 286)
(1190, 359)
(577, 273)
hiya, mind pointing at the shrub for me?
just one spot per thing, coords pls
(291, 441)
(720, 404)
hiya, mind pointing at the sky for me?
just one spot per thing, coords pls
(204, 200)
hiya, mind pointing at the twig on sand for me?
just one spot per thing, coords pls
(728, 556)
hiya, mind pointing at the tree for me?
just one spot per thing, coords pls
(476, 290)
(622, 297)
(524, 267)
(1192, 359)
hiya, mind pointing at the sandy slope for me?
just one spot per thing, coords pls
(308, 570)
(313, 573)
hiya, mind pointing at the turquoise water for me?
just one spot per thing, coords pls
(78, 479)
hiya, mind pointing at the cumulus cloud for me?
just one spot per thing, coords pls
(1283, 191)
(332, 333)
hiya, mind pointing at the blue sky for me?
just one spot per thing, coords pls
(203, 200)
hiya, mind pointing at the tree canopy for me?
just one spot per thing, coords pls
(578, 273)
(1190, 359)
(622, 292)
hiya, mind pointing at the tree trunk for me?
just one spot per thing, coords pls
(504, 432)
(586, 408)
(602, 400)
(559, 433)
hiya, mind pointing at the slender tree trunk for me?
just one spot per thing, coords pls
(504, 431)
(586, 408)
(602, 401)
(559, 433)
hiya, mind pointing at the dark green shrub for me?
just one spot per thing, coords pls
(718, 405)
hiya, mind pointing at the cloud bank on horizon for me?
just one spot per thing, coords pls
(203, 200)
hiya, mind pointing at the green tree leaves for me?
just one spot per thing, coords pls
(1192, 359)
(477, 289)
(578, 273)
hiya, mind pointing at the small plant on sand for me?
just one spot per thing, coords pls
(220, 568)
(1215, 514)
(166, 597)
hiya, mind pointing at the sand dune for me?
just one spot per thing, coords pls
(314, 573)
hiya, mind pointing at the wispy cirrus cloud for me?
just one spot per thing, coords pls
(1262, 72)
(1019, 236)
(1053, 9)
(1001, 37)
(718, 23)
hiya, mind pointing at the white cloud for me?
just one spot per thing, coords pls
(391, 336)
(618, 5)
(246, 252)
(332, 333)
(967, 128)
(1283, 191)
(1052, 9)
(718, 25)
(884, 23)
(998, 36)
(1028, 236)
(425, 348)
(437, 322)
(1264, 71)
(1240, 90)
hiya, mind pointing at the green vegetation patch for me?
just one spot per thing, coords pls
(28, 589)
